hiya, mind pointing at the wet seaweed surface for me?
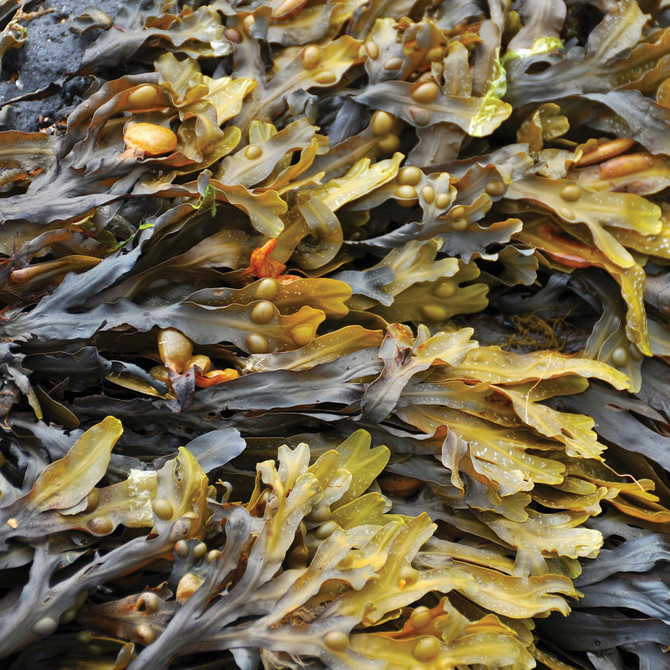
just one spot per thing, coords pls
(335, 334)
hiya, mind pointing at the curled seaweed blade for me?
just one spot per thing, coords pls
(404, 358)
(67, 481)
(598, 211)
(498, 366)
(315, 215)
(190, 90)
(614, 55)
(494, 650)
(269, 101)
(385, 594)
(608, 341)
(196, 33)
(264, 208)
(324, 348)
(363, 177)
(181, 490)
(545, 124)
(476, 116)
(574, 430)
(435, 302)
(364, 463)
(549, 535)
(415, 262)
(257, 161)
(505, 457)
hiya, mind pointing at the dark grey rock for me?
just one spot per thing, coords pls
(37, 85)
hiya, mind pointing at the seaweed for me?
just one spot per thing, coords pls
(337, 335)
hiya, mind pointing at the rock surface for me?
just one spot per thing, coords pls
(36, 88)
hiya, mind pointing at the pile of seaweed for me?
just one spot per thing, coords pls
(336, 335)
